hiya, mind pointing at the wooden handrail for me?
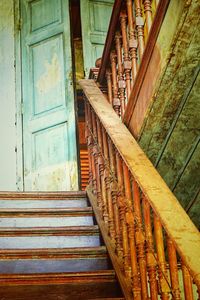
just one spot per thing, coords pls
(137, 231)
(109, 40)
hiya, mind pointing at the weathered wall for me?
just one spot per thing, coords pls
(7, 97)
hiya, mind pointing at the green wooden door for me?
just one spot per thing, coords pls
(49, 135)
(95, 18)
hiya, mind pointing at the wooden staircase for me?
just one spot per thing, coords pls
(51, 248)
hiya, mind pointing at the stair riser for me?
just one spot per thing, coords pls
(49, 242)
(38, 266)
(81, 290)
(45, 203)
(47, 222)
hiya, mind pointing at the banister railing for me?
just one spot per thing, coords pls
(153, 244)
(132, 33)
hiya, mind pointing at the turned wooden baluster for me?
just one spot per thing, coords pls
(122, 210)
(187, 282)
(116, 101)
(114, 199)
(97, 126)
(91, 143)
(140, 239)
(95, 154)
(121, 81)
(136, 286)
(150, 253)
(148, 13)
(162, 270)
(133, 43)
(107, 183)
(109, 86)
(173, 268)
(140, 27)
(87, 137)
(127, 62)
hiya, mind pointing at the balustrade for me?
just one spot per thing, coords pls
(127, 36)
(150, 247)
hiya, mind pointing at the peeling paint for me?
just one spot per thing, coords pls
(51, 76)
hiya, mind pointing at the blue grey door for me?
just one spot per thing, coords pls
(49, 133)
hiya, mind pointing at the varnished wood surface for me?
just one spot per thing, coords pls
(53, 278)
(183, 233)
(54, 231)
(45, 212)
(76, 252)
(43, 195)
(80, 290)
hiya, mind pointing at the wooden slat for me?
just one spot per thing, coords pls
(173, 217)
(84, 165)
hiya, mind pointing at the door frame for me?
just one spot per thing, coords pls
(18, 98)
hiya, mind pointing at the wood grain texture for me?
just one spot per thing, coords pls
(183, 233)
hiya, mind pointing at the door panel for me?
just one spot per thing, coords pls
(49, 135)
(95, 18)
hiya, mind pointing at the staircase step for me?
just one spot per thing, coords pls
(46, 222)
(16, 203)
(43, 195)
(41, 212)
(67, 240)
(55, 231)
(67, 286)
(51, 278)
(54, 253)
(41, 266)
(50, 248)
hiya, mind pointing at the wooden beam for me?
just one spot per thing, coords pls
(174, 219)
(109, 39)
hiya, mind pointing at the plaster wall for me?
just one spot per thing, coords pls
(7, 97)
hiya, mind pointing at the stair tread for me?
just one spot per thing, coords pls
(64, 230)
(46, 211)
(43, 195)
(99, 251)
